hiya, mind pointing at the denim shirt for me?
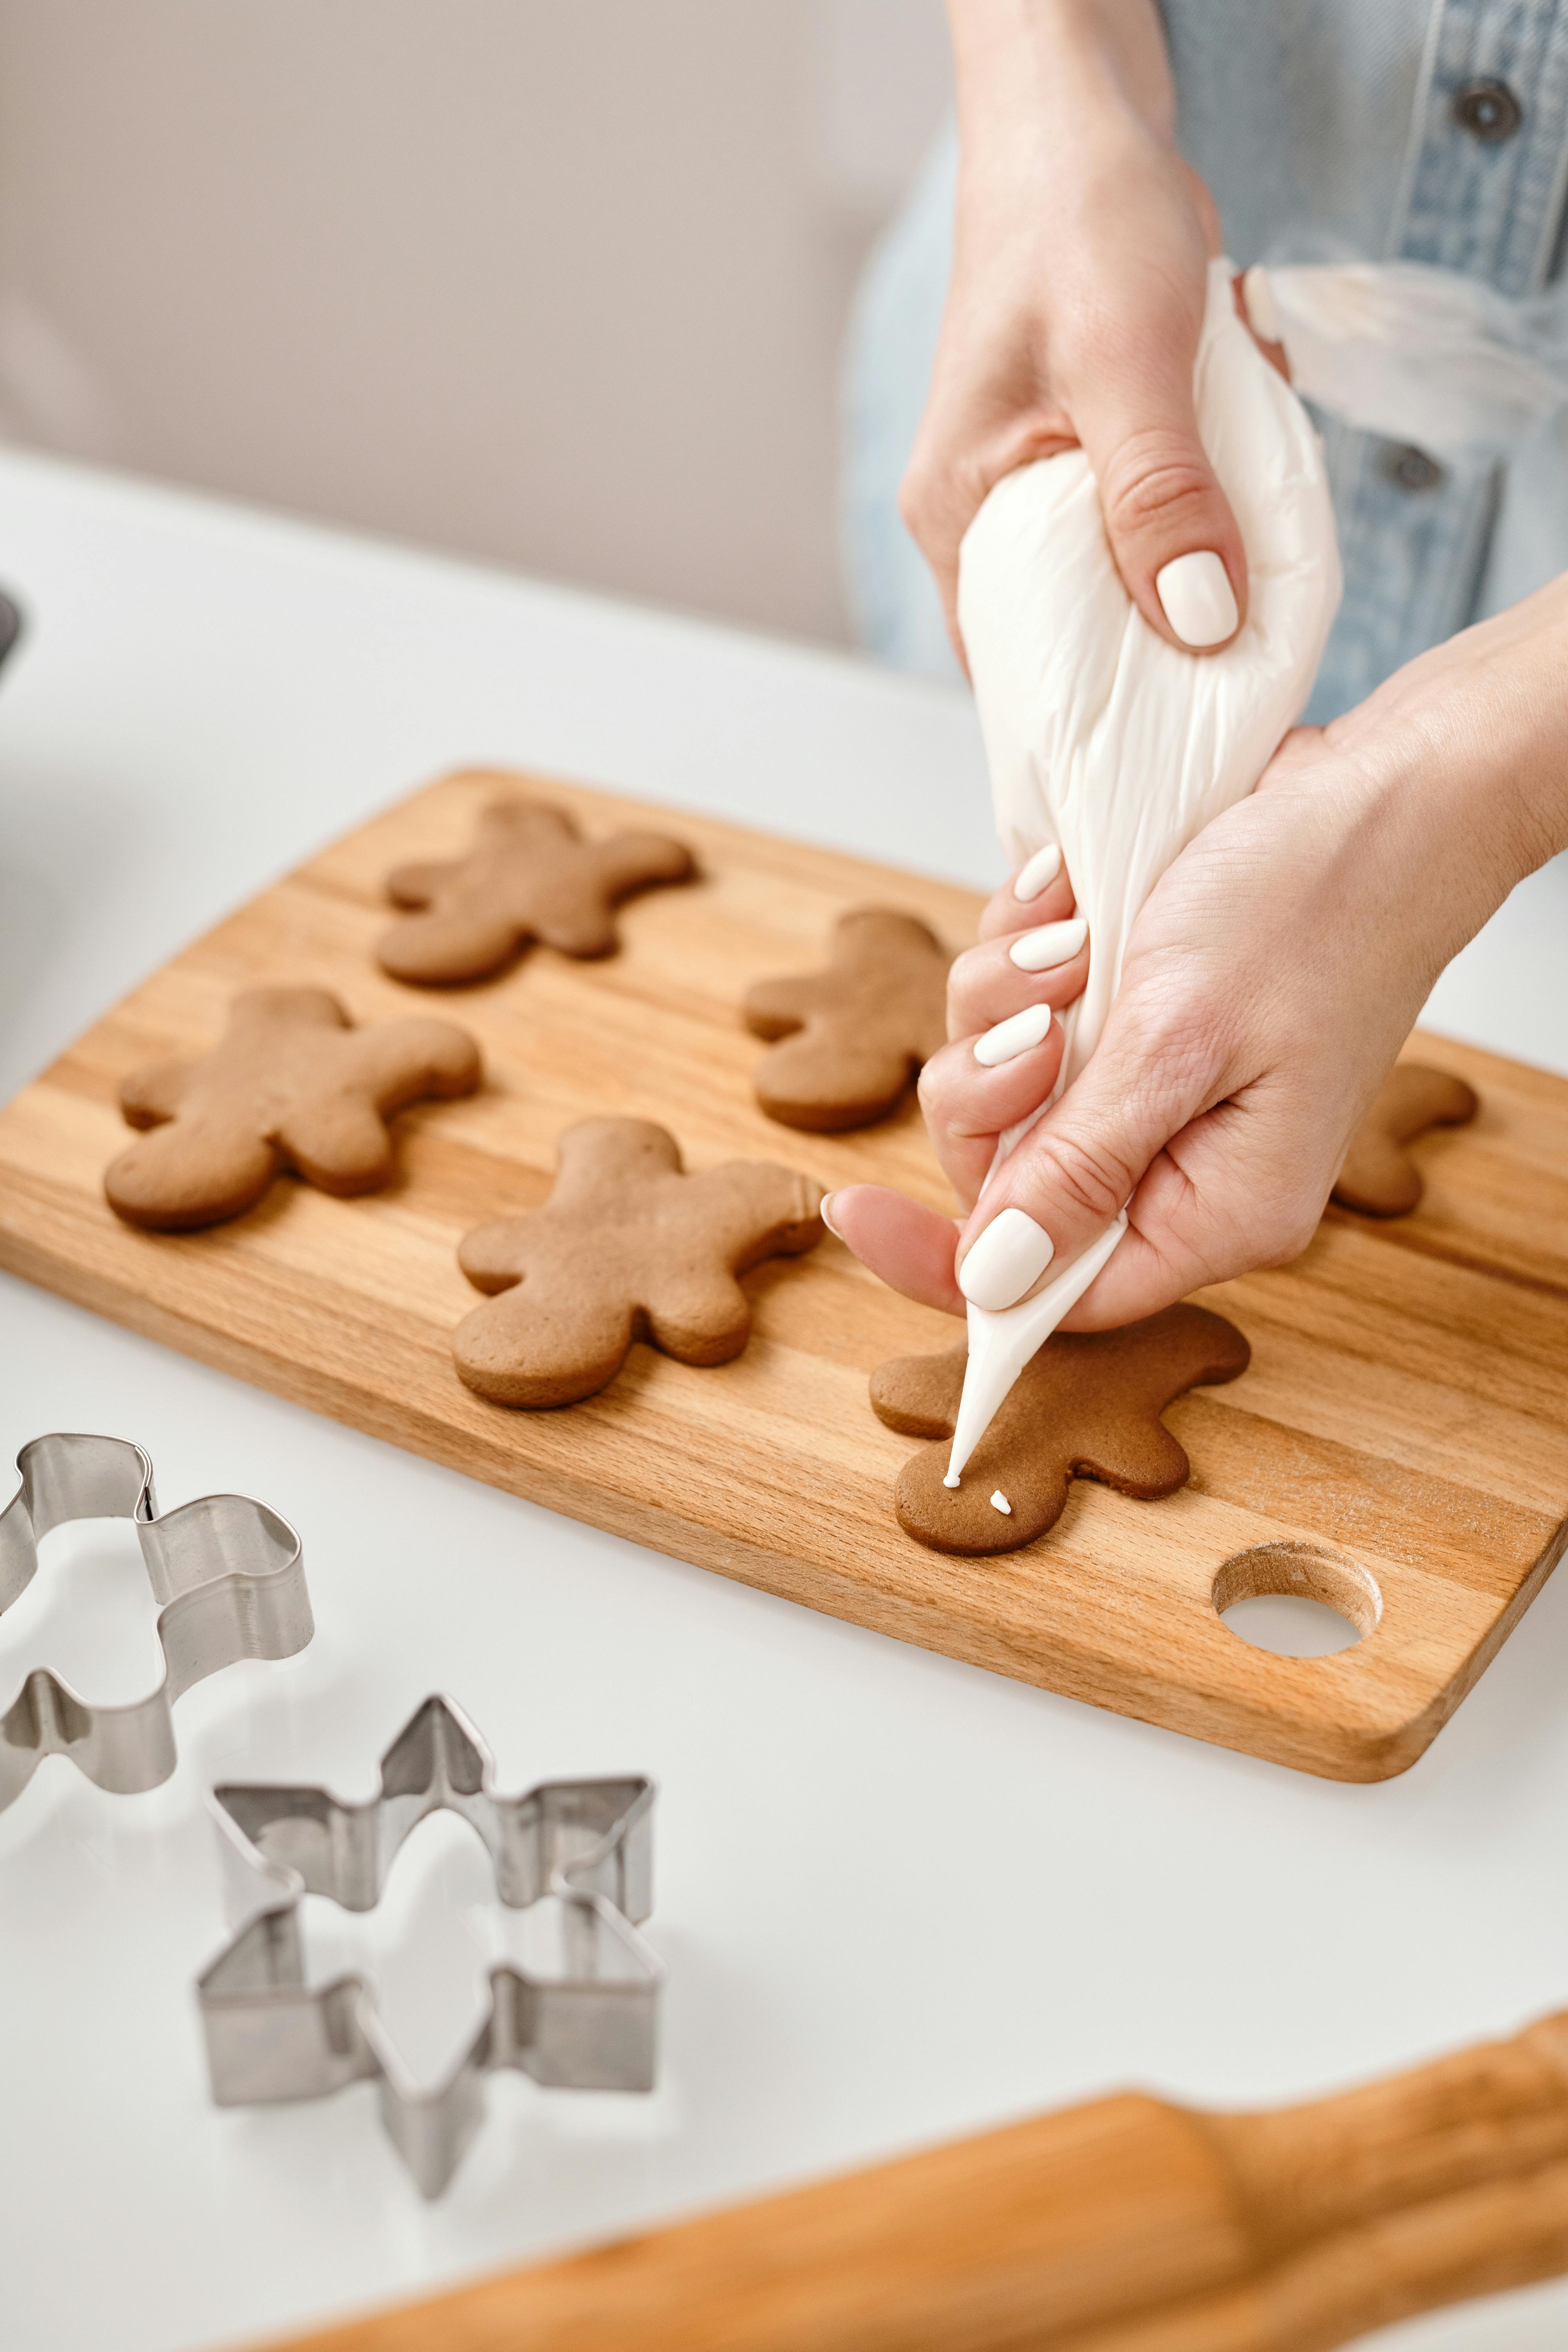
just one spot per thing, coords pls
(1431, 130)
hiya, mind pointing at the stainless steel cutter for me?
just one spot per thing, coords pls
(272, 2036)
(228, 1573)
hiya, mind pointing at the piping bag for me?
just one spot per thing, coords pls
(1118, 747)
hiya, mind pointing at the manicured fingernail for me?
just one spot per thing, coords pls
(825, 1211)
(1052, 944)
(1008, 1259)
(1197, 598)
(1261, 308)
(1014, 1037)
(1039, 874)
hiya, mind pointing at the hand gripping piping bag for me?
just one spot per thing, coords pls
(1119, 747)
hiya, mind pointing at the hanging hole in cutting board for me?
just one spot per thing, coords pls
(1296, 1600)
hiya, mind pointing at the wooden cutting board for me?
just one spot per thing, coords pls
(1399, 1445)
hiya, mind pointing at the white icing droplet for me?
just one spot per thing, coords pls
(950, 1479)
(999, 1503)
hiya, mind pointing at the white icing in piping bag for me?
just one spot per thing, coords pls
(1119, 748)
(1002, 1340)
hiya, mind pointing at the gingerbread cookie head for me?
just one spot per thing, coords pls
(626, 1247)
(529, 875)
(1379, 1177)
(1086, 1406)
(292, 1083)
(855, 1034)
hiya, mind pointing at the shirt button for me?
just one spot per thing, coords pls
(1487, 109)
(1412, 469)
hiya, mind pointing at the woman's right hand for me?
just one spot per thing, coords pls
(1268, 982)
(1078, 284)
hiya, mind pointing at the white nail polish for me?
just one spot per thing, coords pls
(823, 1208)
(1197, 598)
(1008, 1259)
(1037, 876)
(1261, 308)
(1052, 944)
(1016, 1035)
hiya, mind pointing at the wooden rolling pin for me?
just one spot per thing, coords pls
(1126, 2226)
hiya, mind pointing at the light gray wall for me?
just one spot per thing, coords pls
(556, 282)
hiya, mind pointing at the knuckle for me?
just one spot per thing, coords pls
(1089, 1175)
(965, 989)
(1154, 479)
(934, 1086)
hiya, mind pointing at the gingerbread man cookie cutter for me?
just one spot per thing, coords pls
(272, 2036)
(227, 1571)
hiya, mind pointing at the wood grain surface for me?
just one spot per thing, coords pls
(1399, 1445)
(1130, 2225)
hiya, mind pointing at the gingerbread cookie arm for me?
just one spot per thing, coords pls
(752, 1210)
(629, 862)
(400, 1062)
(919, 1395)
(778, 1008)
(153, 1093)
(419, 885)
(494, 1256)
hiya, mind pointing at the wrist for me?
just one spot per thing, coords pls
(1072, 67)
(1465, 753)
(1427, 851)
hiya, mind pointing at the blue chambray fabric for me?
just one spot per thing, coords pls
(1325, 128)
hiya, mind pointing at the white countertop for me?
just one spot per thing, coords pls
(899, 1898)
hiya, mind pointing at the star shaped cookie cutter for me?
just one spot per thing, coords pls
(227, 1572)
(271, 2036)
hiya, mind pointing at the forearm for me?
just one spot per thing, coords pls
(1078, 65)
(1460, 764)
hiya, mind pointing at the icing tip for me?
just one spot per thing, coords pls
(952, 1478)
(999, 1503)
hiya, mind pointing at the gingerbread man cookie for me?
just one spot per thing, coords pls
(292, 1083)
(626, 1247)
(1087, 1406)
(1379, 1176)
(855, 1034)
(529, 875)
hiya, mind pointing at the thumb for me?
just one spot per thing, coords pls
(1069, 1178)
(1172, 532)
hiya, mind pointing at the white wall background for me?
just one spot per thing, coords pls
(559, 282)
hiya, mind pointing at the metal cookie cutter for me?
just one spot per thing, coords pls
(227, 1571)
(271, 2036)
